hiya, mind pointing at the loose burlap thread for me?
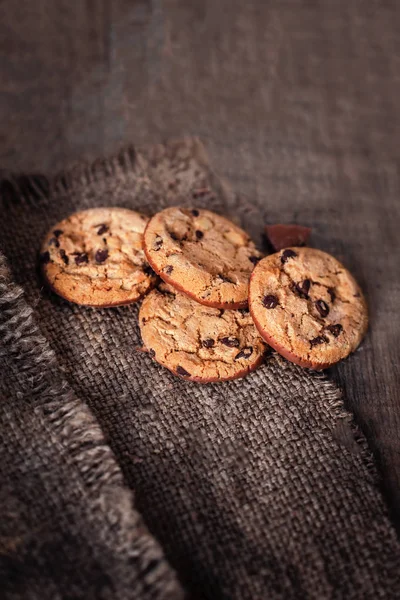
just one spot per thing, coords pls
(120, 480)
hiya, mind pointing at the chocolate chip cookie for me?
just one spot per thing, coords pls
(307, 306)
(198, 342)
(96, 258)
(201, 254)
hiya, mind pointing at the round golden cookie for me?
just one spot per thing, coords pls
(307, 306)
(201, 254)
(96, 258)
(198, 342)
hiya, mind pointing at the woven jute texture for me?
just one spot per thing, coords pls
(252, 489)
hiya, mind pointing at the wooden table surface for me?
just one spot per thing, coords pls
(297, 102)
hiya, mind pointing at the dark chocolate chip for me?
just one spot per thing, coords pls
(332, 294)
(173, 236)
(152, 353)
(244, 311)
(102, 229)
(231, 342)
(322, 308)
(101, 256)
(58, 232)
(270, 301)
(254, 259)
(286, 254)
(303, 288)
(181, 371)
(147, 270)
(320, 339)
(81, 257)
(54, 242)
(64, 256)
(158, 243)
(221, 312)
(44, 257)
(245, 353)
(335, 329)
(208, 343)
(168, 269)
(195, 212)
(199, 234)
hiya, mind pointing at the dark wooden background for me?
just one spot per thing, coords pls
(297, 102)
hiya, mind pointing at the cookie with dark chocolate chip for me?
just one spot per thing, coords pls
(198, 342)
(307, 306)
(96, 258)
(201, 254)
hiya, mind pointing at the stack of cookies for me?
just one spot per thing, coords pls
(212, 301)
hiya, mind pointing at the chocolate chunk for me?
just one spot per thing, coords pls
(244, 311)
(195, 212)
(54, 242)
(332, 294)
(322, 308)
(148, 271)
(286, 254)
(284, 236)
(181, 371)
(245, 353)
(64, 256)
(270, 301)
(208, 343)
(158, 243)
(173, 236)
(168, 269)
(320, 339)
(152, 353)
(199, 234)
(44, 257)
(81, 257)
(335, 329)
(254, 259)
(303, 288)
(231, 342)
(102, 229)
(101, 256)
(58, 232)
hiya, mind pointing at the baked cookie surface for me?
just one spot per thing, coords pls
(307, 306)
(197, 342)
(95, 257)
(201, 254)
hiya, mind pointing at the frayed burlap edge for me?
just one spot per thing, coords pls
(39, 383)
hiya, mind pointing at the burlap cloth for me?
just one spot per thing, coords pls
(258, 488)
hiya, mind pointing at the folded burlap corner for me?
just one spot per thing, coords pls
(257, 488)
